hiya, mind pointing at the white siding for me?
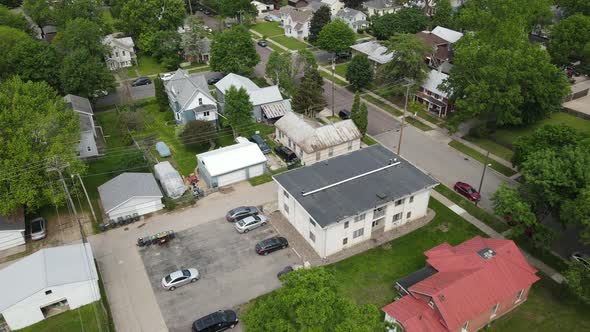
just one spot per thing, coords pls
(139, 205)
(120, 58)
(10, 239)
(256, 170)
(28, 311)
(233, 177)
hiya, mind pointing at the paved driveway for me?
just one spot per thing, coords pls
(231, 272)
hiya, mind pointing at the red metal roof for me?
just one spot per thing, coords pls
(466, 283)
(414, 315)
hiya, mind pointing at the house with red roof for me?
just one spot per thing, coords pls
(462, 288)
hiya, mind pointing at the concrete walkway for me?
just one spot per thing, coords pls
(556, 276)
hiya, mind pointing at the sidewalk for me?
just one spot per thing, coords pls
(556, 276)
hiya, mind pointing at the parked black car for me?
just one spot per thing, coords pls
(241, 213)
(261, 143)
(285, 153)
(213, 80)
(284, 271)
(344, 114)
(141, 81)
(262, 43)
(217, 321)
(269, 245)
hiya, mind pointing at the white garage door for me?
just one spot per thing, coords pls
(233, 177)
(256, 170)
(137, 205)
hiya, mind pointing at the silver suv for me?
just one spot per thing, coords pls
(240, 213)
(38, 229)
(249, 223)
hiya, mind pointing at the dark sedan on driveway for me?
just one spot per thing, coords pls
(141, 81)
(267, 246)
(241, 213)
(262, 43)
(217, 321)
(467, 191)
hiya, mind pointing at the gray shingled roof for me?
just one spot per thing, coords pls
(13, 222)
(126, 186)
(381, 4)
(348, 199)
(79, 104)
(348, 14)
(185, 87)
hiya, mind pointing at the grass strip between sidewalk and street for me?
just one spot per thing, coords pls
(386, 107)
(369, 140)
(417, 123)
(328, 76)
(507, 171)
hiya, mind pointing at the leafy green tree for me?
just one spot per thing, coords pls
(359, 114)
(572, 7)
(35, 61)
(509, 203)
(309, 301)
(194, 40)
(356, 103)
(36, 128)
(233, 51)
(83, 74)
(359, 72)
(81, 33)
(568, 40)
(39, 11)
(309, 95)
(141, 16)
(237, 109)
(577, 211)
(197, 134)
(407, 20)
(235, 8)
(356, 4)
(164, 45)
(9, 38)
(278, 69)
(336, 37)
(11, 3)
(320, 18)
(577, 278)
(161, 96)
(548, 137)
(14, 20)
(505, 86)
(443, 14)
(408, 62)
(68, 10)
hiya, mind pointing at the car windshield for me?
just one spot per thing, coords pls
(168, 279)
(36, 226)
(471, 190)
(256, 218)
(186, 273)
(241, 222)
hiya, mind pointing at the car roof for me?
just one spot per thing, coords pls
(176, 274)
(208, 320)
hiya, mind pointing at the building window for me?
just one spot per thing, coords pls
(286, 193)
(117, 54)
(359, 217)
(397, 216)
(379, 212)
(346, 223)
(312, 222)
(330, 152)
(206, 113)
(519, 295)
(411, 199)
(399, 202)
(495, 309)
(312, 237)
(344, 241)
(88, 148)
(286, 207)
(123, 53)
(349, 145)
(200, 101)
(358, 232)
(375, 223)
(318, 155)
(290, 142)
(47, 292)
(465, 326)
(408, 215)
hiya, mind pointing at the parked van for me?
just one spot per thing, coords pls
(261, 144)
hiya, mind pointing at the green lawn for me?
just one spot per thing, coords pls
(334, 119)
(268, 29)
(147, 65)
(481, 158)
(199, 69)
(488, 218)
(369, 140)
(108, 20)
(290, 42)
(383, 105)
(417, 123)
(489, 145)
(341, 69)
(80, 319)
(132, 72)
(336, 80)
(430, 117)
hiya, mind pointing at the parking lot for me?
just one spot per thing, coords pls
(231, 272)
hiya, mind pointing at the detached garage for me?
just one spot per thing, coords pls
(12, 231)
(231, 164)
(129, 194)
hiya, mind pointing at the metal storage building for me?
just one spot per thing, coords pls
(130, 193)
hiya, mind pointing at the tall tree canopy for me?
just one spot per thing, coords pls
(444, 15)
(39, 11)
(279, 70)
(569, 39)
(14, 20)
(81, 33)
(237, 109)
(83, 74)
(336, 37)
(407, 20)
(320, 18)
(309, 301)
(235, 8)
(141, 16)
(165, 46)
(36, 127)
(572, 7)
(408, 60)
(359, 72)
(34, 60)
(67, 10)
(309, 95)
(233, 51)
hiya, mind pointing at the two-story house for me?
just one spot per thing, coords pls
(430, 94)
(355, 19)
(295, 22)
(334, 5)
(87, 146)
(268, 103)
(313, 144)
(347, 200)
(441, 40)
(189, 98)
(462, 288)
(381, 7)
(121, 51)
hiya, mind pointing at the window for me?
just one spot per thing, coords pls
(88, 148)
(117, 54)
(399, 202)
(358, 232)
(375, 223)
(495, 310)
(411, 199)
(312, 236)
(519, 295)
(123, 53)
(200, 101)
(349, 145)
(346, 223)
(206, 113)
(280, 133)
(330, 152)
(465, 326)
(379, 212)
(318, 155)
(344, 241)
(312, 222)
(359, 217)
(286, 207)
(290, 142)
(286, 193)
(47, 292)
(408, 215)
(177, 116)
(397, 216)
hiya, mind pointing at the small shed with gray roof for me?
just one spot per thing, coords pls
(130, 194)
(46, 283)
(12, 230)
(87, 146)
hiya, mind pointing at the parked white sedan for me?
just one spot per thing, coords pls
(249, 223)
(180, 278)
(167, 76)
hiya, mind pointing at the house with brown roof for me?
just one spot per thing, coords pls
(462, 288)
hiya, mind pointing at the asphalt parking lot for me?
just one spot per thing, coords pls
(231, 272)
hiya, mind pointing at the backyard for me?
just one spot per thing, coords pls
(268, 29)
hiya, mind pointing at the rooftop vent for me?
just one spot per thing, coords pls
(382, 195)
(486, 253)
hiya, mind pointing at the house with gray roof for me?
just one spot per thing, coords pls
(313, 144)
(189, 98)
(268, 103)
(130, 194)
(46, 283)
(355, 19)
(377, 53)
(87, 146)
(347, 200)
(382, 7)
(296, 22)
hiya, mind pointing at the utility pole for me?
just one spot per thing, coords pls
(87, 198)
(401, 132)
(190, 6)
(483, 174)
(333, 71)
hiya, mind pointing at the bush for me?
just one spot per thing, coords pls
(198, 134)
(169, 203)
(481, 131)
